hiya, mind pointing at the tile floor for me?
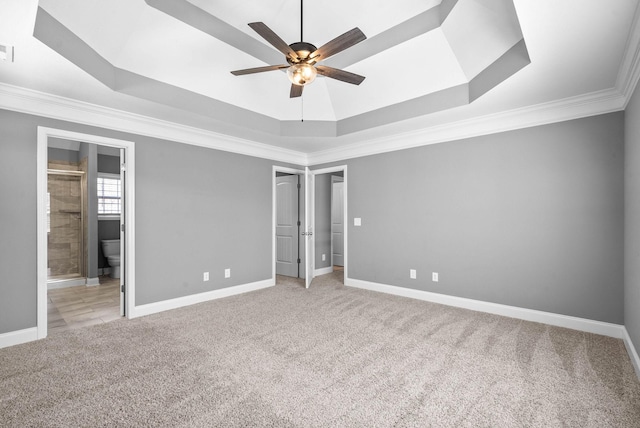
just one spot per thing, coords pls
(81, 306)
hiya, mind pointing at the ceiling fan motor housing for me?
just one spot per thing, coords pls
(303, 49)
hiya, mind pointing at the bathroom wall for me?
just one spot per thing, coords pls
(65, 255)
(64, 240)
(88, 155)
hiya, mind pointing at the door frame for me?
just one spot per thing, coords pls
(329, 170)
(43, 135)
(335, 179)
(286, 170)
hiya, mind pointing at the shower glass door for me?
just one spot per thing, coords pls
(65, 225)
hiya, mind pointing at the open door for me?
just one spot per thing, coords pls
(309, 219)
(288, 226)
(123, 258)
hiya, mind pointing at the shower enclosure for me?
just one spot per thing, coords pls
(65, 225)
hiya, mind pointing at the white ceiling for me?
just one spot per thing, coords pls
(140, 57)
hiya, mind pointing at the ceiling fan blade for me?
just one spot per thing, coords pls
(258, 69)
(271, 37)
(345, 76)
(339, 44)
(296, 91)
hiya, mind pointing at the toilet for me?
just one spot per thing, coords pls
(111, 250)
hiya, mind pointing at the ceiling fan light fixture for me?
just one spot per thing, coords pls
(302, 74)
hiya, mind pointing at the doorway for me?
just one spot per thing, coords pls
(307, 237)
(330, 212)
(74, 289)
(289, 223)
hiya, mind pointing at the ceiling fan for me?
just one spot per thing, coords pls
(303, 57)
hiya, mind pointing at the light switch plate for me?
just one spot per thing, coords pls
(357, 221)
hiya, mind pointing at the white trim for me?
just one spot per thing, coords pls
(179, 302)
(629, 72)
(633, 353)
(574, 323)
(17, 337)
(41, 230)
(44, 134)
(322, 271)
(591, 104)
(29, 101)
(39, 103)
(66, 283)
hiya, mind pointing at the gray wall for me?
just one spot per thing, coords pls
(197, 210)
(531, 218)
(62, 155)
(17, 224)
(322, 220)
(632, 220)
(109, 164)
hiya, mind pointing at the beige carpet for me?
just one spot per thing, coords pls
(327, 356)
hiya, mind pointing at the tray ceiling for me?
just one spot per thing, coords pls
(426, 62)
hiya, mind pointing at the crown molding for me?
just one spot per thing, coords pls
(56, 107)
(595, 103)
(629, 72)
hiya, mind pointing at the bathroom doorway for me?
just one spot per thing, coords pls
(84, 275)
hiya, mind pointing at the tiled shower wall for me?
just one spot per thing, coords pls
(65, 243)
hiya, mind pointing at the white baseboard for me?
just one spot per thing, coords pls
(66, 283)
(575, 323)
(633, 353)
(17, 337)
(152, 308)
(323, 271)
(93, 282)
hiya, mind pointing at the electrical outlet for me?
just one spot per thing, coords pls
(412, 274)
(434, 276)
(227, 273)
(205, 276)
(324, 257)
(357, 221)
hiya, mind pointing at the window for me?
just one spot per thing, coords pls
(109, 195)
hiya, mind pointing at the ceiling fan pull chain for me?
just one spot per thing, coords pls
(302, 109)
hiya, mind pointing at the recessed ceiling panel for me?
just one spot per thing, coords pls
(479, 34)
(420, 66)
(106, 26)
(322, 20)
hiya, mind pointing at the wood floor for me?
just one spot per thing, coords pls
(81, 306)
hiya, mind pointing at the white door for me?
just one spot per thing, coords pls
(309, 221)
(337, 223)
(123, 258)
(287, 225)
